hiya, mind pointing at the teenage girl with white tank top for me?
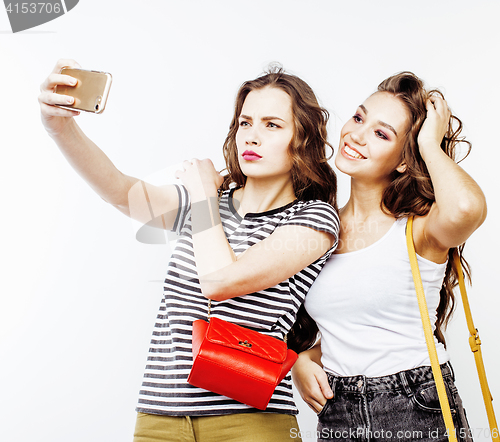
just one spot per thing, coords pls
(370, 378)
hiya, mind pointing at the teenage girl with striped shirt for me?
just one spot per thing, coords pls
(253, 242)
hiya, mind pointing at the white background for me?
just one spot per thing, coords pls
(78, 293)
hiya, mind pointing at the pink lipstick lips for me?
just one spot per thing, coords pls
(250, 155)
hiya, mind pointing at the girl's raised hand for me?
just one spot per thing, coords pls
(200, 178)
(436, 123)
(54, 118)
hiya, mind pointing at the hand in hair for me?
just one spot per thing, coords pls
(460, 206)
(435, 125)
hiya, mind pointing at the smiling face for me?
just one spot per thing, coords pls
(371, 142)
(264, 134)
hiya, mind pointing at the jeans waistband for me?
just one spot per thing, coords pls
(397, 381)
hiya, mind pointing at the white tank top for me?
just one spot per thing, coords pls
(366, 308)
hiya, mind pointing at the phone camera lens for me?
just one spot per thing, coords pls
(97, 103)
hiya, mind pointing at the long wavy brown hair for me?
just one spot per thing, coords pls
(412, 193)
(409, 193)
(312, 176)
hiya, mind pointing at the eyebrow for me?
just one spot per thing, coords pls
(246, 117)
(388, 126)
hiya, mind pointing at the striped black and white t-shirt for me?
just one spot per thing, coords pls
(272, 311)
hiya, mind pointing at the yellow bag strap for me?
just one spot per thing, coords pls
(475, 346)
(474, 342)
(429, 336)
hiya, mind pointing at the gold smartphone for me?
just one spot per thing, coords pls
(91, 91)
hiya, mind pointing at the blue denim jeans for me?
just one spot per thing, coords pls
(400, 407)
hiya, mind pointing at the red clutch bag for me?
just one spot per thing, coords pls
(237, 362)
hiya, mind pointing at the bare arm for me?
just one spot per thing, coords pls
(222, 275)
(310, 379)
(460, 206)
(92, 164)
(288, 250)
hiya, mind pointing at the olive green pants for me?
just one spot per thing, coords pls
(249, 427)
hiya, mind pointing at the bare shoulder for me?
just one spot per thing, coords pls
(425, 245)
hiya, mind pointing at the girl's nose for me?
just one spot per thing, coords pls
(252, 138)
(358, 135)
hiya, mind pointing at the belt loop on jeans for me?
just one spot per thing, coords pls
(451, 370)
(333, 383)
(332, 380)
(404, 381)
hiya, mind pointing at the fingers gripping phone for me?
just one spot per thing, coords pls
(90, 92)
